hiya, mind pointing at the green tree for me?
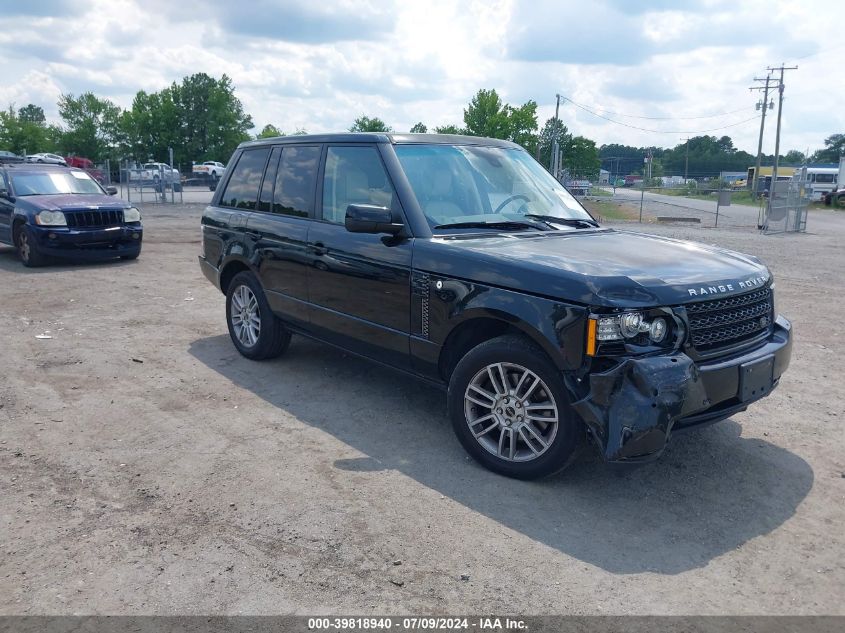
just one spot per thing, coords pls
(794, 157)
(32, 113)
(22, 135)
(419, 128)
(522, 125)
(200, 118)
(552, 131)
(581, 157)
(486, 115)
(269, 131)
(92, 125)
(366, 124)
(834, 147)
(448, 129)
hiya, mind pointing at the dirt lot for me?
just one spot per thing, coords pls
(145, 467)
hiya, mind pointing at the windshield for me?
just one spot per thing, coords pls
(459, 184)
(58, 182)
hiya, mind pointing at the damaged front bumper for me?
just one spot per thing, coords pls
(633, 409)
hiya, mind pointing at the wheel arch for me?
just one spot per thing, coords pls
(231, 268)
(478, 326)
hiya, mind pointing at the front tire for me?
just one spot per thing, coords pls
(28, 250)
(510, 409)
(256, 332)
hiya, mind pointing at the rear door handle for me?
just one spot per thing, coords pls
(252, 236)
(320, 248)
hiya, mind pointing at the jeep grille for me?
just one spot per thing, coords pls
(91, 219)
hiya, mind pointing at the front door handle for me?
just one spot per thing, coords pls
(320, 248)
(252, 236)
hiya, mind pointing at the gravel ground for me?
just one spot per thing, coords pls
(146, 468)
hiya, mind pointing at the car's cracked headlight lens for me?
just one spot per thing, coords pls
(131, 214)
(51, 218)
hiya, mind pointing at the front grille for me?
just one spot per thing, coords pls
(730, 321)
(91, 219)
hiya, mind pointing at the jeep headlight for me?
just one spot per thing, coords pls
(647, 329)
(132, 214)
(51, 218)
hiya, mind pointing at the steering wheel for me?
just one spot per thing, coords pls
(507, 201)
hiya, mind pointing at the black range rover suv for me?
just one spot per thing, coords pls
(463, 262)
(55, 211)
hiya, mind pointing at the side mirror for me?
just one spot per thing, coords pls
(4, 193)
(370, 218)
(111, 190)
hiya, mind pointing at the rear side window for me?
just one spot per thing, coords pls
(242, 189)
(266, 197)
(296, 180)
(354, 175)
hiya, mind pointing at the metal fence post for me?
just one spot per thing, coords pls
(642, 196)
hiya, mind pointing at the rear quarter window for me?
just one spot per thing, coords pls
(242, 189)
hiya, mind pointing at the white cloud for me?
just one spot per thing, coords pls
(301, 65)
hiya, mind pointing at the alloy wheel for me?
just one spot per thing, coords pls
(511, 412)
(245, 316)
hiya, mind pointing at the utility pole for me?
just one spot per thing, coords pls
(777, 136)
(686, 163)
(554, 140)
(765, 106)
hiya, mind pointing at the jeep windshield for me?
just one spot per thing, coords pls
(476, 187)
(44, 183)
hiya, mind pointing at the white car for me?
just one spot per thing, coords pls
(210, 168)
(45, 157)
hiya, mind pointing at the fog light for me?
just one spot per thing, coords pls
(657, 331)
(135, 236)
(52, 236)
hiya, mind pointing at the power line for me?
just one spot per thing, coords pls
(643, 129)
(659, 118)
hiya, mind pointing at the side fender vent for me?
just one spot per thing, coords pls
(420, 287)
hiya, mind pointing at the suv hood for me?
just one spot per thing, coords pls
(601, 268)
(59, 201)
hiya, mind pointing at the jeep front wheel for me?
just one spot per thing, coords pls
(510, 409)
(28, 249)
(256, 332)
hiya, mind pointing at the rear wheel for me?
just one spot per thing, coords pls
(256, 332)
(28, 249)
(510, 409)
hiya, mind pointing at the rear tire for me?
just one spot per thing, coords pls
(517, 423)
(28, 251)
(256, 332)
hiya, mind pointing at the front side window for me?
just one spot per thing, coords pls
(242, 189)
(354, 175)
(296, 180)
(457, 184)
(49, 183)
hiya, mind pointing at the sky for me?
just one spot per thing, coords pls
(670, 68)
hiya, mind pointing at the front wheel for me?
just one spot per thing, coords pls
(28, 249)
(256, 332)
(510, 409)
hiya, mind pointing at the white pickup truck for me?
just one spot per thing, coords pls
(154, 174)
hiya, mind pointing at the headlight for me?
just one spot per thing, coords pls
(51, 218)
(131, 215)
(654, 327)
(626, 325)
